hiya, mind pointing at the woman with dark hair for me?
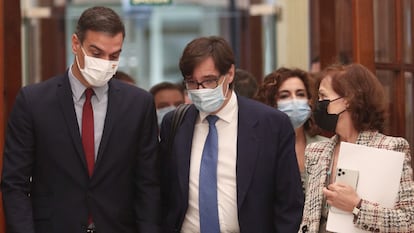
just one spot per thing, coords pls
(291, 91)
(352, 105)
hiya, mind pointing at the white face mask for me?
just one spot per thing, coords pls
(97, 72)
(298, 110)
(208, 100)
(162, 111)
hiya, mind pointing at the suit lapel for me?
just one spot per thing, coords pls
(183, 143)
(114, 100)
(247, 150)
(65, 98)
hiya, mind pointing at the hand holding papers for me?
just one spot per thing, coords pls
(379, 179)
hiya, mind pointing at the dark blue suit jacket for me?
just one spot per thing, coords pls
(45, 182)
(269, 192)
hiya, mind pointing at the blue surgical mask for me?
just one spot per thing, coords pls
(208, 100)
(298, 110)
(162, 111)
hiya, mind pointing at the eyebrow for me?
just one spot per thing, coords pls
(203, 77)
(281, 91)
(101, 50)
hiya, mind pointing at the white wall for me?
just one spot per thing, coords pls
(293, 42)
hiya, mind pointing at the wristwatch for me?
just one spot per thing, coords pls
(357, 210)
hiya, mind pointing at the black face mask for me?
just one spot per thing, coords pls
(323, 119)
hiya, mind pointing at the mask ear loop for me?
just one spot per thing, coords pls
(77, 62)
(330, 101)
(346, 107)
(76, 55)
(341, 112)
(228, 87)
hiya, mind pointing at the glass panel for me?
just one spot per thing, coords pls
(30, 41)
(386, 78)
(155, 38)
(157, 35)
(384, 31)
(409, 108)
(407, 30)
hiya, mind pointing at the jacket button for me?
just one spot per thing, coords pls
(305, 229)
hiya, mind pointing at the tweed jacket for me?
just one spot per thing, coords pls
(372, 217)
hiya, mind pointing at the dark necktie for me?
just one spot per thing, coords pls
(88, 138)
(208, 208)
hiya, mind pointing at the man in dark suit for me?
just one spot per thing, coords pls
(80, 152)
(246, 159)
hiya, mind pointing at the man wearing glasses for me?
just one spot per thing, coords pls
(232, 165)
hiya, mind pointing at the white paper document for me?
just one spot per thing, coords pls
(379, 180)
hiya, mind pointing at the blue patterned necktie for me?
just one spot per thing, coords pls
(209, 220)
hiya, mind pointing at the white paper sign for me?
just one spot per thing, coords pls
(379, 180)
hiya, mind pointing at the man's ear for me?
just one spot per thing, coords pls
(231, 74)
(75, 44)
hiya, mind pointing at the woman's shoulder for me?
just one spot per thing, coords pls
(318, 150)
(383, 141)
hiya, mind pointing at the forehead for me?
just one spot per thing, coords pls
(205, 68)
(325, 86)
(292, 84)
(168, 95)
(104, 41)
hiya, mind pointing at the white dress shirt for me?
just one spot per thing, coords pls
(226, 169)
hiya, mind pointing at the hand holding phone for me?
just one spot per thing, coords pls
(349, 177)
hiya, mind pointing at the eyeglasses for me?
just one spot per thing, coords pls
(210, 82)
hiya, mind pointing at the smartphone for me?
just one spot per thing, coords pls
(349, 177)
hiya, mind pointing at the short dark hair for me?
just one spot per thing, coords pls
(245, 84)
(166, 86)
(364, 93)
(203, 47)
(124, 77)
(99, 19)
(271, 84)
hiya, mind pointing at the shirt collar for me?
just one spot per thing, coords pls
(228, 112)
(78, 88)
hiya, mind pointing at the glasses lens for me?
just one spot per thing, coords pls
(190, 84)
(210, 83)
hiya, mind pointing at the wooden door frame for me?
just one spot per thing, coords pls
(10, 69)
(251, 54)
(2, 103)
(364, 47)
